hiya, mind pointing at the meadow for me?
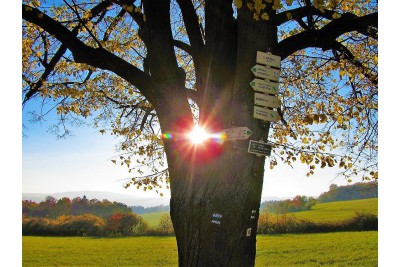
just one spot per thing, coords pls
(340, 210)
(333, 249)
(331, 211)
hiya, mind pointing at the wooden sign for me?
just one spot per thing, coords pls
(266, 72)
(266, 114)
(264, 86)
(259, 148)
(268, 59)
(266, 100)
(237, 133)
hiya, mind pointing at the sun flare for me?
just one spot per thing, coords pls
(198, 135)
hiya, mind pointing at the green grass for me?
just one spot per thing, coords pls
(333, 249)
(153, 219)
(331, 211)
(341, 210)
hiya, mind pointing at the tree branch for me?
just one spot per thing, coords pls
(325, 37)
(192, 27)
(97, 57)
(184, 46)
(49, 67)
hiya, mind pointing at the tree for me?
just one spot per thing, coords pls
(165, 226)
(161, 66)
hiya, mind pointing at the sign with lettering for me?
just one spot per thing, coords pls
(266, 100)
(237, 133)
(266, 114)
(268, 59)
(259, 148)
(264, 86)
(266, 72)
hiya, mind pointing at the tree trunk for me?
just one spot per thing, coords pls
(216, 188)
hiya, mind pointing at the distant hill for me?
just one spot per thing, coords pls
(100, 195)
(350, 192)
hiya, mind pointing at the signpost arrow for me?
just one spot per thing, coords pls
(259, 148)
(266, 114)
(266, 100)
(264, 86)
(237, 133)
(266, 72)
(268, 59)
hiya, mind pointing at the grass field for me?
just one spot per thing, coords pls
(333, 249)
(341, 210)
(153, 219)
(332, 211)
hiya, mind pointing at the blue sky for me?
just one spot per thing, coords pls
(82, 162)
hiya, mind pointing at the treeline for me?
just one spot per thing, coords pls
(84, 217)
(350, 192)
(298, 203)
(53, 208)
(143, 210)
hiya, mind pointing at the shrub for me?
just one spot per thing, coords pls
(282, 224)
(126, 224)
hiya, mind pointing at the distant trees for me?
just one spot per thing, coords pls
(298, 203)
(350, 192)
(80, 217)
(52, 208)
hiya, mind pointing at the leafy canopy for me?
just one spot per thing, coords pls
(328, 83)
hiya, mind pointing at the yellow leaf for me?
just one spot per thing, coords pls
(264, 16)
(336, 15)
(238, 3)
(129, 8)
(289, 2)
(289, 16)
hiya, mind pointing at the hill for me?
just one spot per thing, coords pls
(340, 210)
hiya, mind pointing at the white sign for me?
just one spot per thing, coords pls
(237, 133)
(264, 86)
(268, 59)
(266, 114)
(248, 232)
(266, 100)
(266, 72)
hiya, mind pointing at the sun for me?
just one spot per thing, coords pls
(198, 135)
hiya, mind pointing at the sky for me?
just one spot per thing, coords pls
(82, 162)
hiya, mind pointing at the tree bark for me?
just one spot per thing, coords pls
(216, 188)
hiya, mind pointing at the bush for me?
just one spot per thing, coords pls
(82, 225)
(165, 226)
(363, 222)
(126, 224)
(283, 224)
(37, 226)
